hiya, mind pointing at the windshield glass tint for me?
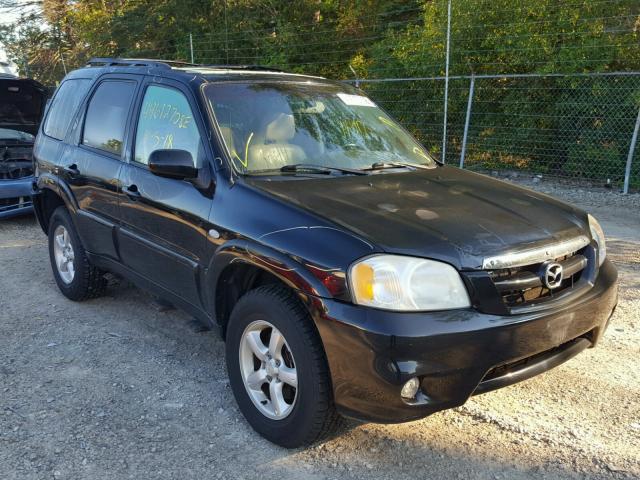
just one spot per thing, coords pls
(269, 125)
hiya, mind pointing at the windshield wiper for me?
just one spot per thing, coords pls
(309, 167)
(384, 165)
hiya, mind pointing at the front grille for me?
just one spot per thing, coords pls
(15, 172)
(518, 370)
(8, 204)
(519, 286)
(507, 368)
(16, 162)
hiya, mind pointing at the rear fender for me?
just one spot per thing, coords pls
(60, 188)
(47, 182)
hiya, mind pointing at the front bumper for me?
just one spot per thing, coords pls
(455, 354)
(15, 196)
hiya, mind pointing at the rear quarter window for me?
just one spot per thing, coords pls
(64, 106)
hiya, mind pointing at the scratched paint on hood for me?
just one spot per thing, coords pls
(445, 213)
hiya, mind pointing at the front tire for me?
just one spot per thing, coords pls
(277, 368)
(76, 278)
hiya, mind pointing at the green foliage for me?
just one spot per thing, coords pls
(571, 126)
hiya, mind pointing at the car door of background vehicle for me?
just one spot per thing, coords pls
(163, 221)
(92, 167)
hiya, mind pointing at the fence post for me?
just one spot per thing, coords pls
(25, 63)
(226, 33)
(64, 67)
(446, 86)
(191, 46)
(632, 148)
(466, 120)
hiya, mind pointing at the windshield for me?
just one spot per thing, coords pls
(267, 126)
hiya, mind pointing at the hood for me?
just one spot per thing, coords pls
(444, 213)
(22, 102)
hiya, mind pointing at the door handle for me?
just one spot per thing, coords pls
(132, 191)
(72, 170)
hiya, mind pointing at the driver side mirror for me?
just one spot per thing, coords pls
(177, 164)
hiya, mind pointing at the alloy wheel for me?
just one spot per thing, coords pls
(268, 370)
(63, 254)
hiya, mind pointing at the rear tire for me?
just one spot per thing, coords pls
(76, 278)
(308, 413)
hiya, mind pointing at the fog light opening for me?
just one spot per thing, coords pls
(410, 389)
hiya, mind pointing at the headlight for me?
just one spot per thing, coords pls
(598, 235)
(394, 282)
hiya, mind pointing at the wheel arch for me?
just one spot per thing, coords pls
(52, 193)
(240, 266)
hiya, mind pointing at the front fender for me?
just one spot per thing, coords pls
(286, 269)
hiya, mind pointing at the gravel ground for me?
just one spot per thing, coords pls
(115, 388)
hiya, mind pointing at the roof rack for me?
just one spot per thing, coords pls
(136, 62)
(145, 62)
(239, 67)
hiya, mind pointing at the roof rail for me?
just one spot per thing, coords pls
(136, 62)
(146, 62)
(238, 67)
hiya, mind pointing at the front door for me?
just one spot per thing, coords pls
(162, 235)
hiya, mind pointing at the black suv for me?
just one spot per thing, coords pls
(349, 272)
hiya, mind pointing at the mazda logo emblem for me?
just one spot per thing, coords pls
(552, 275)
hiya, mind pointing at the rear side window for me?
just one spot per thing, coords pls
(107, 113)
(64, 105)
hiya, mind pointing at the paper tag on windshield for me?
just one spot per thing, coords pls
(356, 100)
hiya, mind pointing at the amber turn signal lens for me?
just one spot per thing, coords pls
(363, 281)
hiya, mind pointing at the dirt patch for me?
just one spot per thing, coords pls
(115, 388)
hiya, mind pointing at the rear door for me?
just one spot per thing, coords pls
(59, 130)
(163, 221)
(92, 168)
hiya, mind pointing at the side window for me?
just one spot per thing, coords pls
(63, 107)
(166, 122)
(106, 118)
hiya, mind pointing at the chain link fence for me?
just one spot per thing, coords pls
(555, 88)
(569, 125)
(578, 126)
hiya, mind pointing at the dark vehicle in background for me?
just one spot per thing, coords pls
(349, 272)
(22, 103)
(7, 69)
